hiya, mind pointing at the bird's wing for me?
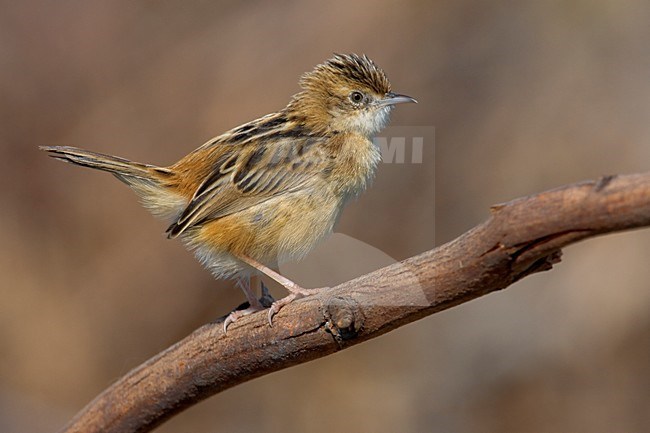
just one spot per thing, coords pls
(247, 175)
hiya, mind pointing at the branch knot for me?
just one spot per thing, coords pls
(343, 318)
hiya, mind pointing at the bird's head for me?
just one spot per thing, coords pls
(347, 93)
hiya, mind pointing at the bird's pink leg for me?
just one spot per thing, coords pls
(247, 284)
(295, 291)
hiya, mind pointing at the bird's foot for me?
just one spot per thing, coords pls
(258, 305)
(296, 293)
(238, 314)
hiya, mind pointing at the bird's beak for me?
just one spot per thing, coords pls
(394, 98)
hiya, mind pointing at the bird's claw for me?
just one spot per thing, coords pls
(277, 305)
(264, 302)
(238, 314)
(267, 301)
(296, 294)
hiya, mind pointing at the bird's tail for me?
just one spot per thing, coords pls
(153, 184)
(119, 166)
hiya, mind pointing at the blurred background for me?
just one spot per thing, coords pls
(524, 96)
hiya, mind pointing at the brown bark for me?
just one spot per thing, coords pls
(521, 237)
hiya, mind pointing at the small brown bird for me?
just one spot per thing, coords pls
(269, 190)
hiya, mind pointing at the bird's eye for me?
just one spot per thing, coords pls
(356, 97)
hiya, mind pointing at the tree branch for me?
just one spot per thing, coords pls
(521, 237)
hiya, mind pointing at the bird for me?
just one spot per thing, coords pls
(270, 190)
